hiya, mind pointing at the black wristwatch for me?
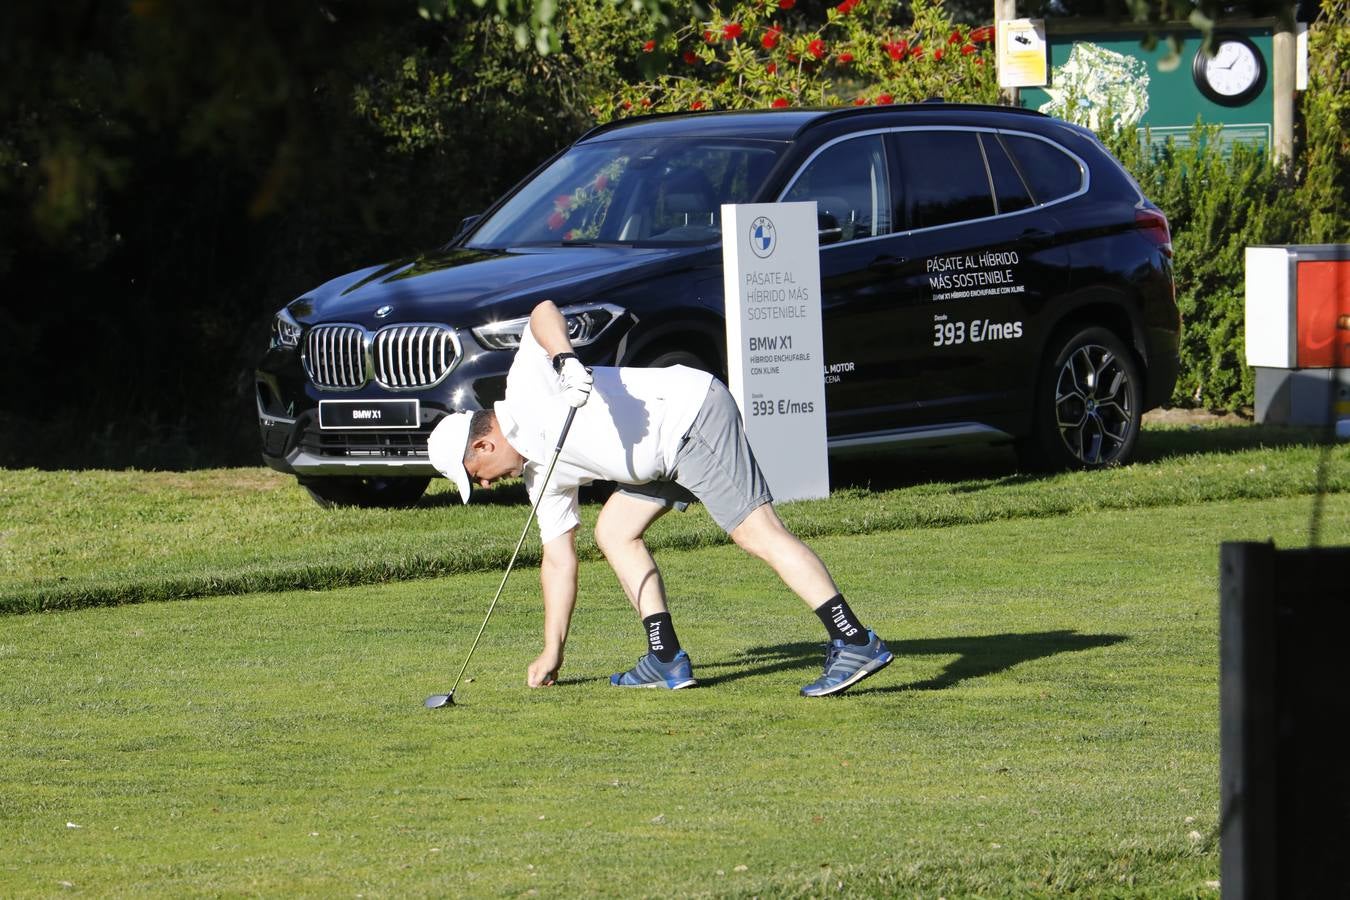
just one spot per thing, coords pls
(560, 359)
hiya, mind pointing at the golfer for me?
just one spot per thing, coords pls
(665, 437)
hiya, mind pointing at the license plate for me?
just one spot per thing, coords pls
(349, 414)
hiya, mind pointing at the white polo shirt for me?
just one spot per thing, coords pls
(628, 432)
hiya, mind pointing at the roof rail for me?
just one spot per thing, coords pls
(831, 114)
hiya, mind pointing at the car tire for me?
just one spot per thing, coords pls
(1089, 404)
(367, 493)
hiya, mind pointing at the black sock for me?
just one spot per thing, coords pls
(840, 621)
(661, 636)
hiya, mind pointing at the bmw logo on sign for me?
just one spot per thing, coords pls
(763, 237)
(383, 311)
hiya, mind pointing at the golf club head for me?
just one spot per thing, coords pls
(437, 701)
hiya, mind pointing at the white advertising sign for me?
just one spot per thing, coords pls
(1021, 53)
(775, 355)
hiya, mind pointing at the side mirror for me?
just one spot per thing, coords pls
(827, 226)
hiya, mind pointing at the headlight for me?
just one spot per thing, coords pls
(585, 323)
(285, 330)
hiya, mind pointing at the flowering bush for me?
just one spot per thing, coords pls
(761, 53)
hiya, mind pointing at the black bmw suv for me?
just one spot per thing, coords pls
(988, 274)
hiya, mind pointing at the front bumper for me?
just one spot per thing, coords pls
(299, 447)
(287, 404)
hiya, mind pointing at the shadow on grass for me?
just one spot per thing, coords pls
(976, 657)
(1157, 444)
(997, 464)
(510, 493)
(979, 466)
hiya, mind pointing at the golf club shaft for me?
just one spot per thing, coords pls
(557, 451)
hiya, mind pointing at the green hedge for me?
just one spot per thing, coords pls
(1221, 200)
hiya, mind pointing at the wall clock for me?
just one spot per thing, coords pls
(1234, 75)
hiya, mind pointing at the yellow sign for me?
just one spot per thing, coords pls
(1021, 53)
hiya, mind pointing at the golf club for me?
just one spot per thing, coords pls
(436, 701)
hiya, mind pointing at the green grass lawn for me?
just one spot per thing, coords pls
(71, 539)
(1050, 724)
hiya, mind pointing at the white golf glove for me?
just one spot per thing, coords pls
(576, 382)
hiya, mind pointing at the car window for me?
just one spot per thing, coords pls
(943, 177)
(655, 191)
(1009, 190)
(1049, 171)
(849, 181)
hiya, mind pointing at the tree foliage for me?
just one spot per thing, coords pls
(172, 171)
(772, 53)
(1324, 149)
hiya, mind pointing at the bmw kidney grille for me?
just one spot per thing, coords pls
(399, 357)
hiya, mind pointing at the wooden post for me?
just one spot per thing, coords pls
(1006, 9)
(1285, 74)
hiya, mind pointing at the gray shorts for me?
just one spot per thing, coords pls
(714, 465)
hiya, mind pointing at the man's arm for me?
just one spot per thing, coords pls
(550, 329)
(558, 578)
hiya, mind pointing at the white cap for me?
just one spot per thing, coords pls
(446, 446)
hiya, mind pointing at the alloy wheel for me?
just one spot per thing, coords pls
(1093, 409)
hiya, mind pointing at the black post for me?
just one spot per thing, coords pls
(1284, 769)
(1247, 720)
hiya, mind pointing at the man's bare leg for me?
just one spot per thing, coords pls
(763, 534)
(618, 533)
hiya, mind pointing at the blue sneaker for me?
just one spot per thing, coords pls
(650, 672)
(847, 664)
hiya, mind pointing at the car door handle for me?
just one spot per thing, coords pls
(887, 263)
(1036, 237)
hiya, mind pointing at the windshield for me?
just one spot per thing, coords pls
(656, 192)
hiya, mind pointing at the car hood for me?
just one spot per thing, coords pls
(470, 287)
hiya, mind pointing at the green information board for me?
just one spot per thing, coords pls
(1105, 74)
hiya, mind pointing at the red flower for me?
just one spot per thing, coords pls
(646, 102)
(627, 104)
(771, 68)
(649, 46)
(916, 51)
(955, 37)
(859, 101)
(770, 39)
(847, 6)
(967, 49)
(937, 54)
(571, 235)
(556, 221)
(979, 60)
(562, 202)
(602, 180)
(792, 57)
(844, 58)
(731, 31)
(885, 98)
(786, 4)
(710, 36)
(780, 102)
(690, 57)
(816, 48)
(897, 49)
(982, 35)
(697, 104)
